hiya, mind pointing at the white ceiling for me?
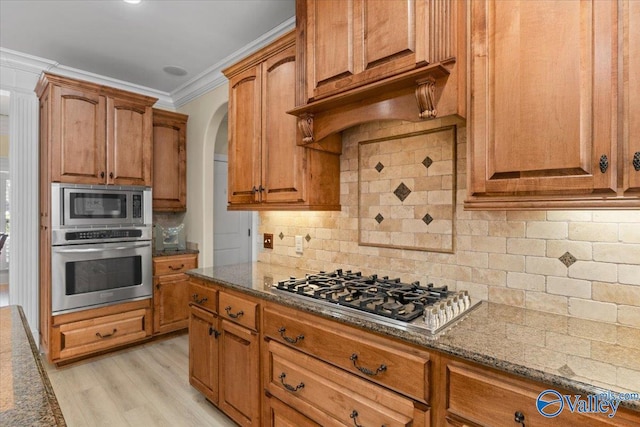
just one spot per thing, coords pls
(133, 43)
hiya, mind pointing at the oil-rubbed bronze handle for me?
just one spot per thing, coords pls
(289, 386)
(197, 300)
(230, 314)
(102, 336)
(366, 371)
(171, 267)
(102, 174)
(290, 340)
(604, 163)
(111, 175)
(636, 161)
(354, 417)
(519, 418)
(214, 332)
(254, 189)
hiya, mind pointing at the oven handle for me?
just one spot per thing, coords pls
(118, 248)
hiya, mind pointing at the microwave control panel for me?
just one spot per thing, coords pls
(102, 234)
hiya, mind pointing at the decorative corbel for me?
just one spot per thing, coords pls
(425, 96)
(305, 124)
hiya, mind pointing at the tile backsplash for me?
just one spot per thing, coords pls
(582, 263)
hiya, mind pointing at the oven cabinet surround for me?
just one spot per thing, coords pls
(267, 169)
(171, 292)
(546, 126)
(473, 395)
(334, 374)
(365, 60)
(224, 352)
(169, 161)
(96, 134)
(87, 332)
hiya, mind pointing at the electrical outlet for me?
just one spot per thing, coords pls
(267, 241)
(298, 244)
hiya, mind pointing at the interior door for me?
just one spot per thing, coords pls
(232, 229)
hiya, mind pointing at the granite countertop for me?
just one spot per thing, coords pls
(579, 355)
(26, 395)
(174, 252)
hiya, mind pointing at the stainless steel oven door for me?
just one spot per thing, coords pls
(88, 276)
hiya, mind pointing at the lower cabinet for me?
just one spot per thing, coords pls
(87, 332)
(277, 414)
(204, 353)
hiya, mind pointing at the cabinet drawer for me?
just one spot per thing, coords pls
(101, 333)
(488, 398)
(203, 296)
(174, 264)
(238, 310)
(331, 396)
(400, 367)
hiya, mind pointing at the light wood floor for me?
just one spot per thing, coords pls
(142, 386)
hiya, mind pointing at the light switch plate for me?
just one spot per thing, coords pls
(267, 242)
(298, 244)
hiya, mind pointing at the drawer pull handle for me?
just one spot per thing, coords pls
(198, 301)
(636, 161)
(171, 267)
(289, 386)
(103, 336)
(354, 417)
(367, 371)
(290, 340)
(519, 418)
(230, 314)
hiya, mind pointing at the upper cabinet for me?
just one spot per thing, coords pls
(365, 60)
(544, 128)
(268, 170)
(96, 135)
(169, 161)
(631, 96)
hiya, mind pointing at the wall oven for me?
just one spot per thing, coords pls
(101, 246)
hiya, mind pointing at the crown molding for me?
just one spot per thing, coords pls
(212, 77)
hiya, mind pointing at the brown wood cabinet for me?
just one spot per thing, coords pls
(543, 129)
(82, 333)
(96, 134)
(631, 100)
(224, 355)
(171, 292)
(267, 168)
(169, 161)
(277, 414)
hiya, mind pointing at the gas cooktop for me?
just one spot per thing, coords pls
(384, 300)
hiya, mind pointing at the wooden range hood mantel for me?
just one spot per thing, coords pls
(412, 97)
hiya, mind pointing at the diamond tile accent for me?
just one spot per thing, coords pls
(566, 371)
(567, 259)
(427, 219)
(281, 236)
(379, 167)
(402, 192)
(307, 237)
(427, 162)
(379, 218)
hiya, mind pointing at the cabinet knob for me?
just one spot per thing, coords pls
(604, 163)
(102, 174)
(636, 161)
(519, 418)
(111, 175)
(214, 332)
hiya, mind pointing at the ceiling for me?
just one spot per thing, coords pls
(133, 42)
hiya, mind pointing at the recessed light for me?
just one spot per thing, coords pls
(175, 71)
(133, 1)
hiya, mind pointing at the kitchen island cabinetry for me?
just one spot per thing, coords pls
(267, 169)
(224, 355)
(171, 292)
(97, 134)
(543, 129)
(169, 161)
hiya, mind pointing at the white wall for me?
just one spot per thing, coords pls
(206, 114)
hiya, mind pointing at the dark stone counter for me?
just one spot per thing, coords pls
(575, 354)
(26, 395)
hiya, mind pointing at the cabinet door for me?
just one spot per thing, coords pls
(203, 353)
(283, 161)
(631, 100)
(78, 136)
(239, 375)
(543, 102)
(281, 415)
(244, 136)
(129, 143)
(169, 162)
(170, 303)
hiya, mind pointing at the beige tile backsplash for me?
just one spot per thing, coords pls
(509, 257)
